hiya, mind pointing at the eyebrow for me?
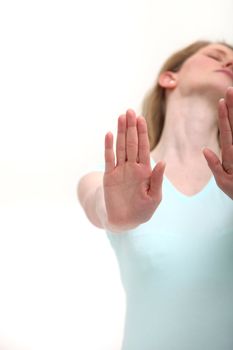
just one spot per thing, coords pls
(223, 53)
(220, 51)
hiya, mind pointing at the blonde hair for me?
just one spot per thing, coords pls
(153, 106)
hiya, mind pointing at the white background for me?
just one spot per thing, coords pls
(68, 69)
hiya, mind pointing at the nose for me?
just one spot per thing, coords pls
(229, 63)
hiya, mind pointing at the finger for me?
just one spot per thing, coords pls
(120, 143)
(214, 164)
(131, 136)
(109, 153)
(143, 142)
(156, 181)
(224, 125)
(229, 103)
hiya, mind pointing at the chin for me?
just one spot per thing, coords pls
(224, 90)
(223, 85)
(218, 91)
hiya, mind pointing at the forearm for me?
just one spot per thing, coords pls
(94, 207)
(92, 201)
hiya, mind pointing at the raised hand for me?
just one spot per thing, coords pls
(223, 172)
(132, 190)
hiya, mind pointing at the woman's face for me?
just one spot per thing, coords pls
(208, 71)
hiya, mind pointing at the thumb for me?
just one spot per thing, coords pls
(156, 181)
(213, 163)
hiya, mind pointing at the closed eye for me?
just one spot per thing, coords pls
(215, 57)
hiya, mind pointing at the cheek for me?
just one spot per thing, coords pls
(198, 64)
(195, 68)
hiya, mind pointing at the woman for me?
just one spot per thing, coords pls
(166, 201)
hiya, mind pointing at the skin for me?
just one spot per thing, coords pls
(223, 170)
(132, 190)
(199, 102)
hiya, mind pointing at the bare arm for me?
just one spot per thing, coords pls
(129, 191)
(91, 198)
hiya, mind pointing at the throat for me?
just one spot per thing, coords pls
(189, 175)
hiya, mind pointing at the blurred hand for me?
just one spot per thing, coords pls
(223, 172)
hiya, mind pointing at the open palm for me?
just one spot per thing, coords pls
(132, 189)
(223, 172)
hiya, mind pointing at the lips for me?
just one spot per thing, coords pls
(227, 72)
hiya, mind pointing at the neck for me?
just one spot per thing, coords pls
(190, 125)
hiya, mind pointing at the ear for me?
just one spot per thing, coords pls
(168, 80)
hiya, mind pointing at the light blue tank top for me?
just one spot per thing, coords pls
(177, 272)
